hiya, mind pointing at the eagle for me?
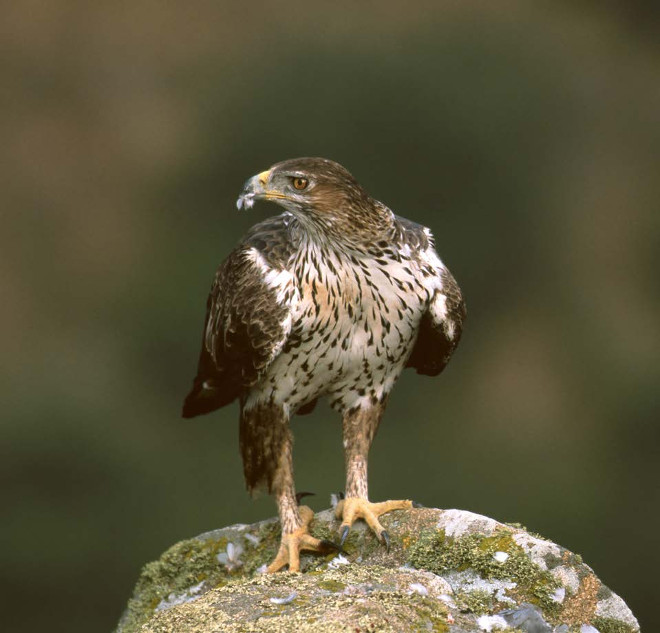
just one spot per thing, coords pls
(331, 299)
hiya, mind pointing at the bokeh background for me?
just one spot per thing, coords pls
(525, 134)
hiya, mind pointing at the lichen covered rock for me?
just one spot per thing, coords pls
(447, 570)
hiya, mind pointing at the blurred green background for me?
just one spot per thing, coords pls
(525, 134)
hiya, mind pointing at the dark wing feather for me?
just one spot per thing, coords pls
(441, 326)
(439, 330)
(247, 322)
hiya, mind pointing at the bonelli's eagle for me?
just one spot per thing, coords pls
(333, 298)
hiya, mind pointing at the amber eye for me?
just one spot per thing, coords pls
(300, 183)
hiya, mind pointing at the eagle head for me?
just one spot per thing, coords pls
(313, 189)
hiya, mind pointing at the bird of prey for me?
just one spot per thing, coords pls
(333, 298)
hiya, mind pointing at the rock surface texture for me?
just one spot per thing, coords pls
(446, 571)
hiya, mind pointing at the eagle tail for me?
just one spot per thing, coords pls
(207, 396)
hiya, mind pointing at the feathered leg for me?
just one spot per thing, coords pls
(359, 428)
(266, 447)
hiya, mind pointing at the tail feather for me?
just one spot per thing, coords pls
(207, 396)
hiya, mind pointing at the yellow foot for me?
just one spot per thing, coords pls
(354, 508)
(298, 540)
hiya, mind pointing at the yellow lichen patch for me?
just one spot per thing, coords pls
(501, 541)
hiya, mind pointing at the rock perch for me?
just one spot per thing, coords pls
(447, 570)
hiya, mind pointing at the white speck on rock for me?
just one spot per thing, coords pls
(252, 538)
(290, 598)
(337, 561)
(419, 588)
(262, 569)
(490, 623)
(230, 558)
(501, 557)
(559, 594)
(587, 628)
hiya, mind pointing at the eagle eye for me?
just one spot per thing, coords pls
(300, 183)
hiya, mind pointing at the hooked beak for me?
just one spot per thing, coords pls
(256, 189)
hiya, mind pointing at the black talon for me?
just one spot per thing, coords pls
(417, 504)
(385, 537)
(344, 533)
(329, 546)
(340, 496)
(300, 495)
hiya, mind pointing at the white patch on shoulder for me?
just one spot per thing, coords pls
(438, 307)
(438, 310)
(286, 323)
(430, 257)
(280, 280)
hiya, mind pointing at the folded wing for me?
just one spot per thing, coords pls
(248, 320)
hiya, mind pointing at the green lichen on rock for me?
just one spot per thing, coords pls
(478, 602)
(192, 567)
(610, 625)
(181, 567)
(437, 552)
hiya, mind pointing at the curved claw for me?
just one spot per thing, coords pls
(417, 504)
(344, 533)
(329, 546)
(300, 495)
(385, 538)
